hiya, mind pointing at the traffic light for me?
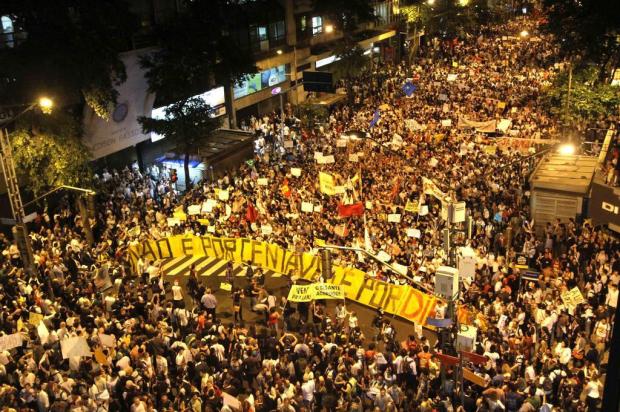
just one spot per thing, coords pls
(326, 264)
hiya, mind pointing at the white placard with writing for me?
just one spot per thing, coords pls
(223, 195)
(10, 341)
(307, 207)
(76, 346)
(262, 181)
(193, 209)
(295, 171)
(394, 218)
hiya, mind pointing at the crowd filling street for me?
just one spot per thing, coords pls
(149, 344)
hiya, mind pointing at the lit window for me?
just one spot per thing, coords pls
(317, 25)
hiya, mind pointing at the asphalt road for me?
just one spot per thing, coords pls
(279, 286)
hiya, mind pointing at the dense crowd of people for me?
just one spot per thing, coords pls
(158, 347)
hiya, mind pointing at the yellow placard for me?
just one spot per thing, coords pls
(412, 207)
(326, 184)
(35, 318)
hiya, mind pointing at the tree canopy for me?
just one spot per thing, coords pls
(187, 122)
(49, 153)
(66, 49)
(586, 29)
(346, 15)
(198, 50)
(589, 98)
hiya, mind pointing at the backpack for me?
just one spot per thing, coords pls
(407, 366)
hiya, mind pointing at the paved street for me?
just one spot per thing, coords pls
(212, 272)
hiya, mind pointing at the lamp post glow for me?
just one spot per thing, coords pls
(524, 34)
(567, 149)
(46, 104)
(329, 28)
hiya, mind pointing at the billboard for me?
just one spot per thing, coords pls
(122, 130)
(260, 81)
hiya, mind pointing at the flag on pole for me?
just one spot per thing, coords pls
(367, 241)
(375, 118)
(356, 209)
(409, 88)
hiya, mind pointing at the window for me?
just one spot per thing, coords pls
(382, 12)
(277, 32)
(6, 32)
(317, 25)
(259, 40)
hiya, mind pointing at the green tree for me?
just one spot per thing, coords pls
(198, 51)
(589, 98)
(187, 122)
(65, 49)
(352, 62)
(587, 30)
(48, 152)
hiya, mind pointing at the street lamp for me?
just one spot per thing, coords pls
(463, 3)
(329, 28)
(46, 104)
(430, 2)
(524, 34)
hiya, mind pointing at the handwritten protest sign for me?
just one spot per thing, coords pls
(225, 286)
(573, 297)
(307, 207)
(35, 318)
(295, 171)
(223, 195)
(76, 346)
(301, 293)
(394, 218)
(194, 210)
(263, 181)
(306, 293)
(10, 341)
(107, 340)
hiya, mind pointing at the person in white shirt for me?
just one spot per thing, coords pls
(177, 294)
(612, 297)
(307, 392)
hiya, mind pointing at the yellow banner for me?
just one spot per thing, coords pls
(301, 293)
(326, 184)
(401, 300)
(314, 291)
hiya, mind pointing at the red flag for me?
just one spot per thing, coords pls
(356, 209)
(251, 214)
(447, 359)
(474, 357)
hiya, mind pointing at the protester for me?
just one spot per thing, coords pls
(143, 345)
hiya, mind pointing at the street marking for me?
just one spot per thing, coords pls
(206, 266)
